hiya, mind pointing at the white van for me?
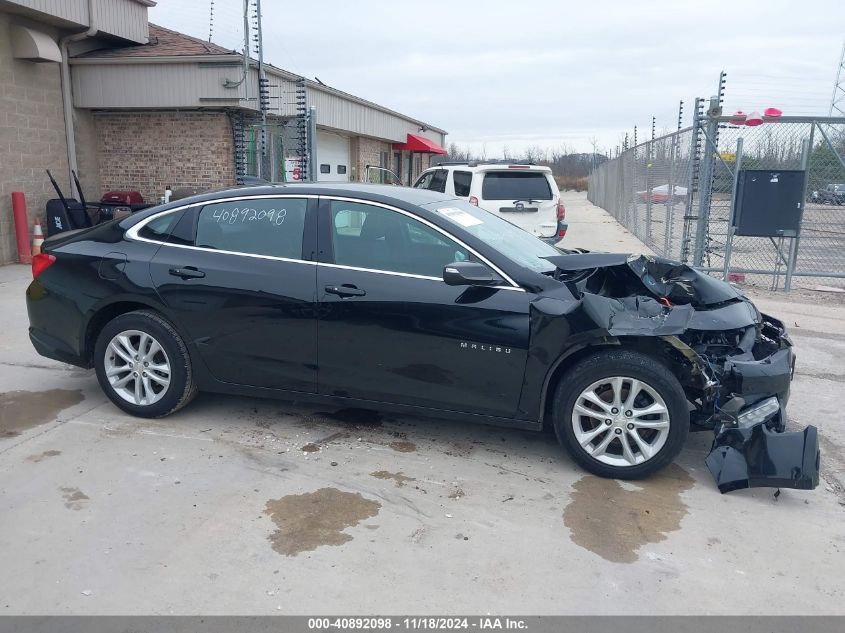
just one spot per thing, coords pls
(523, 194)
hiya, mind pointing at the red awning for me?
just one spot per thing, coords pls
(419, 144)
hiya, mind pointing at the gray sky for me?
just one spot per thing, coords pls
(517, 73)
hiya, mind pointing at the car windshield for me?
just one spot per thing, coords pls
(516, 185)
(510, 240)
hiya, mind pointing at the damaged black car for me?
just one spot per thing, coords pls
(406, 300)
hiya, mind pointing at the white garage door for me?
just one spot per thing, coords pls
(332, 157)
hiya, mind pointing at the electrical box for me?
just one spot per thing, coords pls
(769, 202)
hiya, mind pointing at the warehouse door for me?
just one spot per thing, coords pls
(332, 157)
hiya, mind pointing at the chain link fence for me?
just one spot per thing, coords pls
(675, 194)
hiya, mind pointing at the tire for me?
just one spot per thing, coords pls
(661, 434)
(116, 363)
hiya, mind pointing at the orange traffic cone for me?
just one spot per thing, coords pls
(37, 237)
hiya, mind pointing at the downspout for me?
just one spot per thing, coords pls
(67, 98)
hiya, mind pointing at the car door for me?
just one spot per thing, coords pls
(391, 330)
(241, 282)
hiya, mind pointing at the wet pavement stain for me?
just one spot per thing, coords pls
(42, 456)
(21, 410)
(74, 498)
(403, 446)
(399, 478)
(307, 521)
(614, 522)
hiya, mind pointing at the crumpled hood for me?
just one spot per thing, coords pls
(662, 278)
(648, 295)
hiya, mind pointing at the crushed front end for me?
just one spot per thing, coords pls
(750, 371)
(735, 364)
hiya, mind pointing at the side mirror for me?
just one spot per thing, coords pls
(469, 274)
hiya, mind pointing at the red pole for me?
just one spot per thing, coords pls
(21, 227)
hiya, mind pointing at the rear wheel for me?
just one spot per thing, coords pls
(621, 414)
(143, 365)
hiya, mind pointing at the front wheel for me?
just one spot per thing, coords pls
(621, 414)
(143, 365)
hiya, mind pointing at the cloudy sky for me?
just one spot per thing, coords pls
(514, 74)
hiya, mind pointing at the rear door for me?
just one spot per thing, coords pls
(391, 330)
(241, 279)
(523, 196)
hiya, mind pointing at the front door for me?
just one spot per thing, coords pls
(391, 330)
(243, 291)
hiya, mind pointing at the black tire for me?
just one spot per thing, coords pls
(606, 364)
(181, 389)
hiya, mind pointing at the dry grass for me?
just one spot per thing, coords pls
(571, 183)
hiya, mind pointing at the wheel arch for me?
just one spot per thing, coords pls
(655, 347)
(100, 316)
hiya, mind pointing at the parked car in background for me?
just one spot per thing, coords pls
(832, 194)
(660, 194)
(523, 194)
(401, 299)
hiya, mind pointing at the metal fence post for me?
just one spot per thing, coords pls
(706, 185)
(670, 206)
(729, 241)
(792, 259)
(691, 179)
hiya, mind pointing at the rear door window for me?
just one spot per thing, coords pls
(516, 185)
(433, 180)
(272, 227)
(463, 183)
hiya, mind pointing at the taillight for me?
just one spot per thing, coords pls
(41, 262)
(561, 211)
(562, 232)
(473, 200)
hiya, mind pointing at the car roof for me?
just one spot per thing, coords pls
(386, 194)
(493, 166)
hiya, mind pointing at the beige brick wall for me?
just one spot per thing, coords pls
(367, 151)
(32, 137)
(146, 151)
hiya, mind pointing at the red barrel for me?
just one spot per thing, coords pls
(21, 227)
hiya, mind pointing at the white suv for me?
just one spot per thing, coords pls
(523, 194)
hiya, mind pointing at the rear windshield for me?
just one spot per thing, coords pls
(516, 185)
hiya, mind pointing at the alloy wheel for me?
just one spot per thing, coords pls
(137, 367)
(620, 421)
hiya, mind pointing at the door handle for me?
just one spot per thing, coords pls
(345, 291)
(188, 272)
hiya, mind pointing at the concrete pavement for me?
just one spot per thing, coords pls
(247, 506)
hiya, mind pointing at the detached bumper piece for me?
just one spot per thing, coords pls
(759, 457)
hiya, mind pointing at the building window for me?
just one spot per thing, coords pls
(325, 169)
(341, 169)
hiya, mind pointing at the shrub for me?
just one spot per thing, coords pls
(571, 183)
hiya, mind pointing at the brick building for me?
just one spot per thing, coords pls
(90, 85)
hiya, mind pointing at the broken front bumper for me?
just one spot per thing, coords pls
(759, 456)
(752, 448)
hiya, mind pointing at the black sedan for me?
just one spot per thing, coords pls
(407, 300)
